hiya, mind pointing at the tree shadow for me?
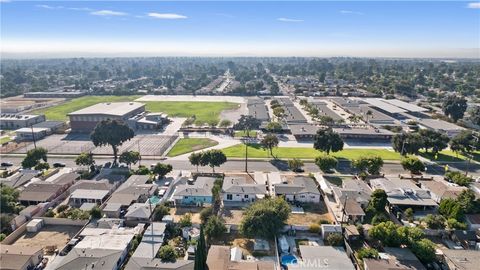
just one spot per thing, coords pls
(281, 165)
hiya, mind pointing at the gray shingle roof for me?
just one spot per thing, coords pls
(298, 185)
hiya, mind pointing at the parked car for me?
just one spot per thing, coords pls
(166, 183)
(6, 164)
(107, 165)
(59, 165)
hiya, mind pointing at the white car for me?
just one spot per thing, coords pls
(166, 183)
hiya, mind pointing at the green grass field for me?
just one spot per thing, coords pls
(187, 145)
(59, 113)
(204, 111)
(242, 133)
(5, 139)
(449, 156)
(256, 151)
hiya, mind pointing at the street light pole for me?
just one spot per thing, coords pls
(33, 137)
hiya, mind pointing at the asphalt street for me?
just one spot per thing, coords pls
(261, 165)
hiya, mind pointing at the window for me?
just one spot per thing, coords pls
(229, 197)
(246, 196)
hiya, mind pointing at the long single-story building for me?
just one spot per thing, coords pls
(86, 119)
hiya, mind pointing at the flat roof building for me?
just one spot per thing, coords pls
(86, 119)
(258, 109)
(16, 121)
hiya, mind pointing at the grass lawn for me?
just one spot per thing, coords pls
(5, 140)
(256, 151)
(205, 112)
(449, 156)
(187, 145)
(242, 133)
(60, 112)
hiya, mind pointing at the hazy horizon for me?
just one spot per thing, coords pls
(65, 29)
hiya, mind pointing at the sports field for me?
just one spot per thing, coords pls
(205, 112)
(187, 145)
(59, 113)
(256, 151)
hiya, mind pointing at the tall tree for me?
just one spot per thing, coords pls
(455, 106)
(215, 158)
(247, 123)
(413, 164)
(465, 142)
(295, 164)
(265, 218)
(85, 159)
(370, 164)
(113, 133)
(201, 253)
(130, 157)
(195, 159)
(434, 140)
(34, 156)
(162, 169)
(378, 201)
(327, 140)
(269, 142)
(407, 143)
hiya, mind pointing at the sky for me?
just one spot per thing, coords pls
(44, 29)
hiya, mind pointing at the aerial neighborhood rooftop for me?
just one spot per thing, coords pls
(252, 165)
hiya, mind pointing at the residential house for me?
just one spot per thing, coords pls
(15, 257)
(322, 257)
(404, 193)
(135, 189)
(465, 238)
(440, 189)
(145, 255)
(239, 189)
(298, 189)
(461, 259)
(138, 213)
(351, 199)
(222, 258)
(40, 192)
(473, 221)
(196, 192)
(394, 259)
(99, 248)
(81, 196)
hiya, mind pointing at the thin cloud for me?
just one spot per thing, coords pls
(351, 12)
(474, 5)
(107, 12)
(49, 7)
(80, 9)
(289, 20)
(5, 1)
(166, 16)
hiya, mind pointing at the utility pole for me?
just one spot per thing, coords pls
(33, 137)
(246, 154)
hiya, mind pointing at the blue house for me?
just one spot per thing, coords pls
(198, 192)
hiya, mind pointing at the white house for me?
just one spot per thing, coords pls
(238, 189)
(299, 189)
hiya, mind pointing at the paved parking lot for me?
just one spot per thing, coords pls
(147, 145)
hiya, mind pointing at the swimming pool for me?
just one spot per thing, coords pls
(288, 259)
(154, 200)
